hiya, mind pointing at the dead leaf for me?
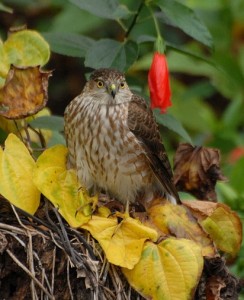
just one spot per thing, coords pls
(200, 209)
(214, 287)
(178, 221)
(217, 283)
(168, 270)
(220, 222)
(196, 170)
(24, 93)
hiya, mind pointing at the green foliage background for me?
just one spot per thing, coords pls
(205, 50)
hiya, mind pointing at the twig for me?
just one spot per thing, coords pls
(104, 271)
(53, 269)
(31, 265)
(68, 280)
(65, 239)
(40, 135)
(12, 228)
(15, 259)
(134, 19)
(18, 218)
(83, 241)
(43, 278)
(15, 236)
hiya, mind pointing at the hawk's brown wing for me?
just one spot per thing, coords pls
(142, 123)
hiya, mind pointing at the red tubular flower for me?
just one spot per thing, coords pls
(158, 81)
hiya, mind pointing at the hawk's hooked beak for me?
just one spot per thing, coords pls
(112, 90)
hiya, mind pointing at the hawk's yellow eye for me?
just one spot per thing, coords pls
(100, 84)
(122, 85)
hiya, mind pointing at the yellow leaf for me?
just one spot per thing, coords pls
(16, 168)
(26, 48)
(4, 65)
(61, 186)
(167, 271)
(10, 125)
(225, 229)
(18, 127)
(33, 136)
(23, 48)
(178, 221)
(220, 222)
(123, 242)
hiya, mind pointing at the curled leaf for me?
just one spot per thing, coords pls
(168, 270)
(221, 223)
(196, 170)
(61, 186)
(24, 93)
(122, 242)
(220, 283)
(16, 169)
(23, 48)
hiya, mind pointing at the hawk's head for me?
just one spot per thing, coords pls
(108, 86)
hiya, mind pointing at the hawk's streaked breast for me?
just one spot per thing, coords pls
(104, 150)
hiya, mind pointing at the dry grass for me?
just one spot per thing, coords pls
(50, 260)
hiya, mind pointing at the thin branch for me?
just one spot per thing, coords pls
(53, 269)
(12, 228)
(40, 135)
(122, 25)
(31, 265)
(134, 19)
(18, 218)
(68, 280)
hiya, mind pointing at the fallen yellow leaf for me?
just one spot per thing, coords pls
(220, 222)
(16, 169)
(61, 186)
(178, 221)
(225, 229)
(169, 270)
(122, 242)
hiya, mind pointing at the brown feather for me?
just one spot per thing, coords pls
(142, 123)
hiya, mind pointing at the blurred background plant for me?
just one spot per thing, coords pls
(205, 52)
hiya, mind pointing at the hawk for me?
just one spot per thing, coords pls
(114, 141)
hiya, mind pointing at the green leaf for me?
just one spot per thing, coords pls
(107, 53)
(70, 44)
(187, 52)
(5, 8)
(181, 16)
(170, 122)
(108, 9)
(54, 123)
(56, 139)
(236, 176)
(231, 116)
(144, 38)
(84, 21)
